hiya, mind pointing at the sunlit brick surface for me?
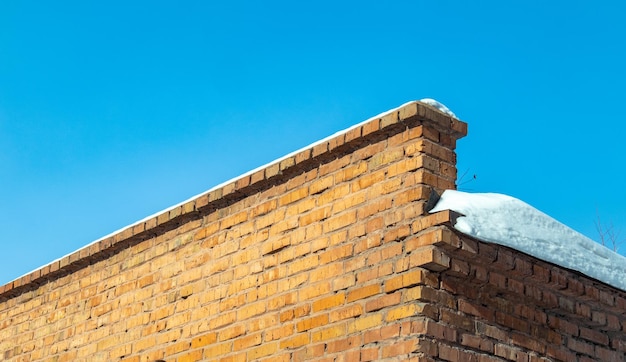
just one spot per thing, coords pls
(326, 255)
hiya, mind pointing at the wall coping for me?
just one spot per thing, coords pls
(408, 115)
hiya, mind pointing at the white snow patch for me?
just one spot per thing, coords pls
(440, 106)
(505, 220)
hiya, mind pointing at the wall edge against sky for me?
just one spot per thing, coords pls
(189, 209)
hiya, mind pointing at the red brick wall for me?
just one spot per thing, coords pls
(325, 255)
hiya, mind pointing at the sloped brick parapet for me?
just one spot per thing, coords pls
(440, 128)
(302, 259)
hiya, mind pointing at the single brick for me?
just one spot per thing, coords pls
(329, 302)
(363, 292)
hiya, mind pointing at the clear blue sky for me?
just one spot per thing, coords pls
(111, 111)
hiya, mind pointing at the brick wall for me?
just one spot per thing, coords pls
(328, 254)
(493, 303)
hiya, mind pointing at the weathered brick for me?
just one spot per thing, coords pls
(351, 311)
(363, 292)
(403, 311)
(267, 349)
(325, 334)
(405, 280)
(329, 302)
(382, 302)
(339, 221)
(204, 340)
(312, 322)
(399, 349)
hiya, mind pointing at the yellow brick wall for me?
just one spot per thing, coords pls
(325, 255)
(300, 268)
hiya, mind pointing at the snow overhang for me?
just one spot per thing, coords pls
(507, 221)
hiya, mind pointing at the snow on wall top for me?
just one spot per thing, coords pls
(505, 220)
(440, 106)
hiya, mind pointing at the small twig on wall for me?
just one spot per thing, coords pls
(462, 181)
(609, 237)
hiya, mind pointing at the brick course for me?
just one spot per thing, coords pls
(329, 255)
